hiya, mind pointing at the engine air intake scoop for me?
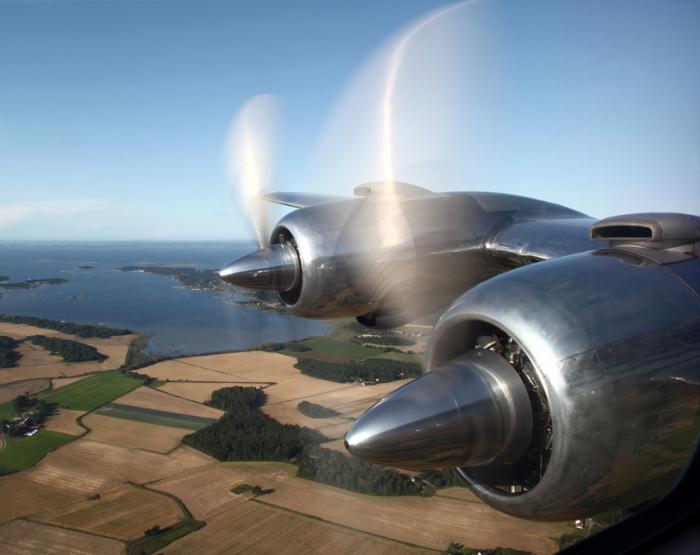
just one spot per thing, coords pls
(275, 267)
(474, 410)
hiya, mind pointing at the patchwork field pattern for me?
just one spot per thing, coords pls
(251, 527)
(123, 513)
(133, 434)
(93, 391)
(432, 522)
(36, 362)
(22, 452)
(455, 515)
(24, 538)
(8, 392)
(149, 398)
(207, 489)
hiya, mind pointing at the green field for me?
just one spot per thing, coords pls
(22, 452)
(7, 410)
(93, 391)
(338, 347)
(150, 417)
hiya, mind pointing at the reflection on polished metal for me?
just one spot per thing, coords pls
(471, 411)
(618, 364)
(276, 268)
(440, 245)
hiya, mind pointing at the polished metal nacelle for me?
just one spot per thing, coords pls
(563, 379)
(614, 340)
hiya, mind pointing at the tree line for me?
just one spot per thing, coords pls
(8, 355)
(373, 370)
(245, 433)
(70, 351)
(338, 469)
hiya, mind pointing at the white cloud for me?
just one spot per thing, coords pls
(13, 214)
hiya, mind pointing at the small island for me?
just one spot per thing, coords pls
(30, 283)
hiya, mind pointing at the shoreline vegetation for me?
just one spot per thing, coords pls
(81, 330)
(29, 283)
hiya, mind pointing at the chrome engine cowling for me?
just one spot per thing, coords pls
(608, 345)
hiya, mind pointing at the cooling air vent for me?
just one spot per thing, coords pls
(662, 229)
(615, 232)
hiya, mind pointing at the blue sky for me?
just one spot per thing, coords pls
(114, 114)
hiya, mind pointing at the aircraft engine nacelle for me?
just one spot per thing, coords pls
(389, 259)
(559, 390)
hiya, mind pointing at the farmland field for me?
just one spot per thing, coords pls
(92, 392)
(58, 383)
(207, 489)
(87, 467)
(432, 522)
(24, 538)
(148, 398)
(23, 452)
(345, 349)
(123, 513)
(134, 434)
(64, 421)
(251, 527)
(29, 387)
(37, 362)
(153, 416)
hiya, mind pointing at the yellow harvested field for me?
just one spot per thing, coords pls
(255, 529)
(36, 355)
(115, 347)
(27, 538)
(178, 371)
(36, 362)
(454, 515)
(64, 420)
(29, 387)
(287, 413)
(200, 392)
(23, 496)
(350, 400)
(20, 331)
(432, 522)
(288, 385)
(134, 434)
(123, 513)
(260, 365)
(149, 398)
(55, 370)
(86, 467)
(58, 383)
(207, 489)
(354, 400)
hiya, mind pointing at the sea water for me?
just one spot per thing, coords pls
(181, 321)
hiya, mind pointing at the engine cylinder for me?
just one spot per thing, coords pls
(613, 343)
